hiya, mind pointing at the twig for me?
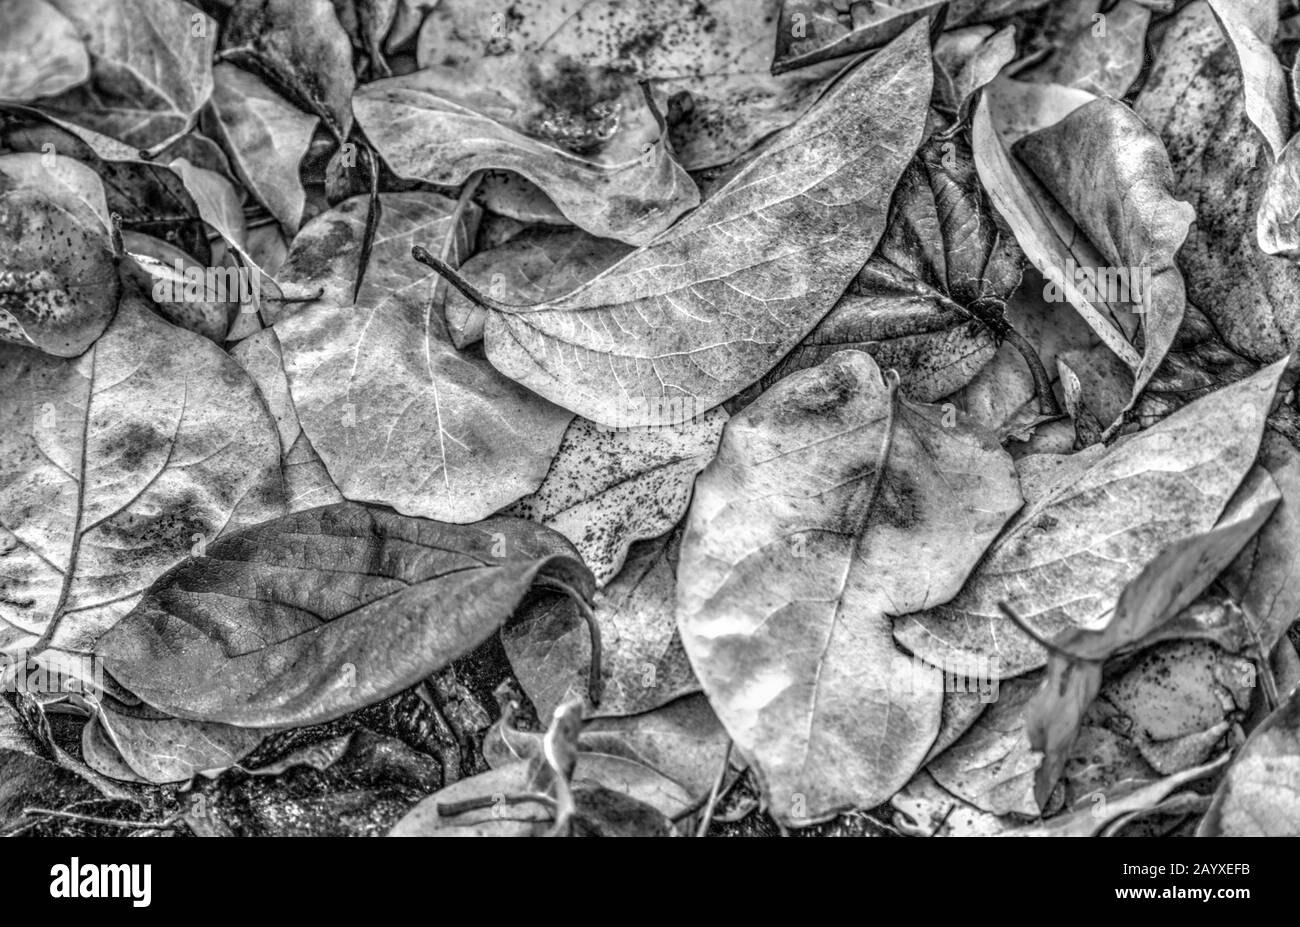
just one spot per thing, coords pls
(714, 795)
(93, 819)
(453, 808)
(452, 276)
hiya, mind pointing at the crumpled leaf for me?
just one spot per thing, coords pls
(1257, 797)
(810, 31)
(306, 617)
(643, 663)
(1192, 99)
(609, 487)
(59, 285)
(923, 808)
(680, 325)
(397, 414)
(442, 124)
(1113, 177)
(115, 465)
(831, 505)
(708, 65)
(1166, 586)
(267, 137)
(1101, 53)
(1092, 521)
(1251, 27)
(150, 68)
(300, 49)
(199, 304)
(41, 53)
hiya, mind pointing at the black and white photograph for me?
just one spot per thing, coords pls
(650, 418)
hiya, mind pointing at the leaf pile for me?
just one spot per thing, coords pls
(649, 417)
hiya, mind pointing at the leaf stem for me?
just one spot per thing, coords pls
(453, 808)
(452, 276)
(1042, 641)
(716, 793)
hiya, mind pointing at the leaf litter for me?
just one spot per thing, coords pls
(649, 418)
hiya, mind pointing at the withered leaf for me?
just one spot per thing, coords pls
(643, 663)
(810, 31)
(680, 325)
(116, 464)
(306, 617)
(1094, 520)
(1257, 797)
(299, 47)
(151, 68)
(832, 504)
(397, 414)
(41, 53)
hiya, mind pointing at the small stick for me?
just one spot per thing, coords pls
(715, 794)
(453, 808)
(452, 276)
(93, 819)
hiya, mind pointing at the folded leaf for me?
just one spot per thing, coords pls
(831, 505)
(310, 616)
(1251, 28)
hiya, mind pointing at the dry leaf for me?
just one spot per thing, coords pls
(832, 504)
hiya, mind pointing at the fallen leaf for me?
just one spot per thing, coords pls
(438, 126)
(680, 325)
(299, 47)
(831, 505)
(709, 67)
(397, 414)
(1251, 27)
(1094, 520)
(41, 53)
(1101, 53)
(151, 68)
(267, 137)
(306, 617)
(59, 286)
(610, 487)
(817, 30)
(1257, 797)
(532, 267)
(116, 464)
(1192, 99)
(643, 663)
(161, 749)
(1167, 585)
